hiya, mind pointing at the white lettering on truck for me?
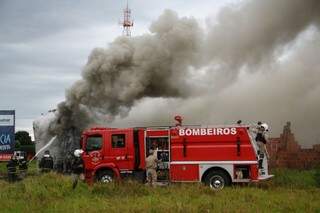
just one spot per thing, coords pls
(209, 131)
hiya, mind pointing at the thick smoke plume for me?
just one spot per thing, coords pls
(257, 61)
(254, 33)
(114, 78)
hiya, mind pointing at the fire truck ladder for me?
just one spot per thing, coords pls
(263, 172)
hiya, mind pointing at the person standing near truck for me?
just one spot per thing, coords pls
(77, 167)
(262, 139)
(12, 169)
(67, 164)
(23, 167)
(151, 167)
(46, 163)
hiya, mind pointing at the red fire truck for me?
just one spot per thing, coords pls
(214, 155)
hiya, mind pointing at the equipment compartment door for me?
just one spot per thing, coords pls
(184, 172)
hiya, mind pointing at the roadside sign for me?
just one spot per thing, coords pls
(7, 129)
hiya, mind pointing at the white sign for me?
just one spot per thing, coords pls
(6, 120)
(207, 131)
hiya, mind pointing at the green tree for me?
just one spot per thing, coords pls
(23, 137)
(17, 144)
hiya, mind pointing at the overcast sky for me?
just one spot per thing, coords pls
(45, 44)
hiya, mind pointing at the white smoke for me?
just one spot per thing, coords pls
(41, 128)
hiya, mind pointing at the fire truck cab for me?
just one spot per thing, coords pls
(216, 156)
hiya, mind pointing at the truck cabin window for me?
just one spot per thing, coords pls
(118, 141)
(94, 142)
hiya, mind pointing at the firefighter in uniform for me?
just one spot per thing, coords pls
(262, 139)
(46, 162)
(12, 169)
(23, 167)
(77, 167)
(151, 167)
(67, 165)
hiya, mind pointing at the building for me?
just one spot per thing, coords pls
(285, 152)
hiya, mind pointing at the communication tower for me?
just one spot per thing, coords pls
(127, 23)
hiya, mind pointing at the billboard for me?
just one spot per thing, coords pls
(7, 128)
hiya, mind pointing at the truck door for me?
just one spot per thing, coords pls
(93, 147)
(121, 151)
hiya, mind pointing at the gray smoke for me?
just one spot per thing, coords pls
(258, 61)
(151, 65)
(254, 33)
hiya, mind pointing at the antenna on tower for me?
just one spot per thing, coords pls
(127, 23)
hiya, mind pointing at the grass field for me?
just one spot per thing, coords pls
(289, 191)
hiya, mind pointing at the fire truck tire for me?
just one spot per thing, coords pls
(217, 179)
(105, 176)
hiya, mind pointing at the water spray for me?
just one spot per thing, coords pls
(43, 148)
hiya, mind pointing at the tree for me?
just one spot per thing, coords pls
(17, 145)
(23, 137)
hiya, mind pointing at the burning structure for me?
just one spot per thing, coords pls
(62, 143)
(181, 61)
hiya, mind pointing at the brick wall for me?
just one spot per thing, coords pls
(285, 152)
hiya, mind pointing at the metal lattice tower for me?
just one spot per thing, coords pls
(127, 23)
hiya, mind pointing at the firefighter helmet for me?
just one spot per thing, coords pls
(265, 126)
(78, 152)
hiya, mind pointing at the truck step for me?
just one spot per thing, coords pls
(160, 183)
(265, 177)
(241, 180)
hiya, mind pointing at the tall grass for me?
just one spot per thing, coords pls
(287, 192)
(292, 178)
(32, 169)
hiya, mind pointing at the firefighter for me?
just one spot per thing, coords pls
(12, 169)
(154, 145)
(151, 167)
(46, 162)
(67, 165)
(77, 167)
(23, 167)
(262, 139)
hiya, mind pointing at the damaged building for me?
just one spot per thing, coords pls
(285, 152)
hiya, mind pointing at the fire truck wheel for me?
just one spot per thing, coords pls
(217, 180)
(105, 177)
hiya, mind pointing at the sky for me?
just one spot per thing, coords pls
(45, 44)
